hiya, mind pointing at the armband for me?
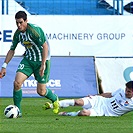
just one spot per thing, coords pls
(4, 65)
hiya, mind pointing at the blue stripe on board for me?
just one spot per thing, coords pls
(2, 7)
(7, 7)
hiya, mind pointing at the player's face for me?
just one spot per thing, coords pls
(21, 24)
(128, 93)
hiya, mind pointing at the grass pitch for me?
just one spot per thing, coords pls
(37, 120)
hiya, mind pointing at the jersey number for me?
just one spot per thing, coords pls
(114, 105)
(21, 66)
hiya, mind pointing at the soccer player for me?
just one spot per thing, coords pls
(36, 60)
(105, 104)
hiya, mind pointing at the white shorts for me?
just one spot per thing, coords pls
(95, 105)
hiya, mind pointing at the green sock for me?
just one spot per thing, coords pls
(17, 97)
(50, 95)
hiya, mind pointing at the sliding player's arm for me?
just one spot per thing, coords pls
(107, 95)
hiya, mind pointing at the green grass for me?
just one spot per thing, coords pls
(36, 120)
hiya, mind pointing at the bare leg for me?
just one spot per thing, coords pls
(84, 113)
(79, 102)
(17, 92)
(78, 113)
(43, 91)
(69, 102)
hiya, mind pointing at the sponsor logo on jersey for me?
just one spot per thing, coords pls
(126, 103)
(27, 44)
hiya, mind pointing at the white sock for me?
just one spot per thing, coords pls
(73, 113)
(51, 106)
(66, 103)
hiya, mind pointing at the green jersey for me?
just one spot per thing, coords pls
(32, 39)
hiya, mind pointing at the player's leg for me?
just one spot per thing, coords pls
(78, 113)
(71, 102)
(42, 90)
(68, 102)
(84, 112)
(23, 72)
(69, 113)
(93, 106)
(62, 104)
(79, 102)
(17, 92)
(84, 102)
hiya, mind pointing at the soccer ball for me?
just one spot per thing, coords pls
(11, 111)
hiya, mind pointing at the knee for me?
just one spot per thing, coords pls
(17, 85)
(41, 92)
(79, 102)
(84, 113)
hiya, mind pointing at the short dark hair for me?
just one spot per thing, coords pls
(21, 14)
(129, 84)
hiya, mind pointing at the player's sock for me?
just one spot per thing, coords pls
(66, 103)
(73, 113)
(54, 98)
(50, 95)
(17, 97)
(62, 104)
(69, 113)
(56, 106)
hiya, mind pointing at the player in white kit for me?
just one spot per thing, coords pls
(106, 104)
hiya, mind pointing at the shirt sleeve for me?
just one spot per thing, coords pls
(39, 36)
(15, 41)
(116, 92)
(42, 38)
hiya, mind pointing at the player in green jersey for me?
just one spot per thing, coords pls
(36, 59)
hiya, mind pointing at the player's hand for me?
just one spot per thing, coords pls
(42, 68)
(0, 75)
(3, 72)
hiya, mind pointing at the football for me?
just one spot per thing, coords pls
(11, 111)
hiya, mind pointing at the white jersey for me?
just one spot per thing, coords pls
(117, 105)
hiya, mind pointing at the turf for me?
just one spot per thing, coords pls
(36, 120)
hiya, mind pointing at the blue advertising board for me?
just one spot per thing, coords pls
(69, 77)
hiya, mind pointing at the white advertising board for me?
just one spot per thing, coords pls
(77, 35)
(114, 72)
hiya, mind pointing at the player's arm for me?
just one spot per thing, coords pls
(9, 56)
(10, 53)
(44, 57)
(41, 40)
(107, 95)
